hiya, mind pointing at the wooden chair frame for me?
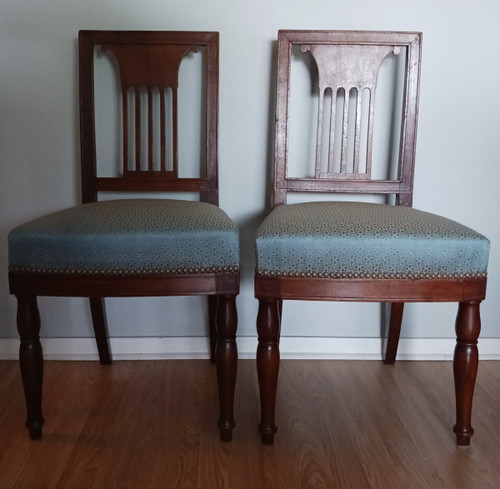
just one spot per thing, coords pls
(272, 291)
(221, 288)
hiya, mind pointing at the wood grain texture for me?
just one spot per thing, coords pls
(342, 424)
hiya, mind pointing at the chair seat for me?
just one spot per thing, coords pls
(128, 237)
(363, 240)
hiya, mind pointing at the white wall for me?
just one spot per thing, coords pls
(457, 171)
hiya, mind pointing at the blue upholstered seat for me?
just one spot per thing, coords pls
(127, 237)
(362, 240)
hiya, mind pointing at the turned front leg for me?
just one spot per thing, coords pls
(226, 359)
(465, 364)
(31, 362)
(268, 361)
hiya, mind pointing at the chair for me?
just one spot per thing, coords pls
(136, 246)
(371, 251)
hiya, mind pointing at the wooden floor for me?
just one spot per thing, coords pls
(342, 424)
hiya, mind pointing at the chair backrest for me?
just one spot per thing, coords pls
(348, 65)
(148, 64)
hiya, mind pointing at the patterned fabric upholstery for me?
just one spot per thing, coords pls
(361, 240)
(124, 237)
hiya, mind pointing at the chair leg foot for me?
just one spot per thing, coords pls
(465, 365)
(226, 359)
(463, 437)
(267, 434)
(35, 432)
(226, 431)
(268, 360)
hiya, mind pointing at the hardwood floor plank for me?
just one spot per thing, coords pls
(345, 424)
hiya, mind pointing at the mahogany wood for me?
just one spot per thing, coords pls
(149, 43)
(371, 290)
(465, 363)
(395, 322)
(31, 362)
(358, 55)
(226, 357)
(268, 361)
(100, 324)
(117, 286)
(147, 60)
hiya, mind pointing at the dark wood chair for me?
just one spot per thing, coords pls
(136, 246)
(360, 251)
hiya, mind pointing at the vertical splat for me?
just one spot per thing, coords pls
(145, 69)
(348, 70)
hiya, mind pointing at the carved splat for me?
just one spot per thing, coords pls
(153, 69)
(147, 64)
(347, 71)
(348, 63)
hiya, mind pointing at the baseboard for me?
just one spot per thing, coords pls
(291, 348)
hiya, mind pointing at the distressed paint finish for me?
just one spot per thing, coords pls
(346, 68)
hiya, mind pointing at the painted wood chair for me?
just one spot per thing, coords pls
(359, 251)
(136, 246)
